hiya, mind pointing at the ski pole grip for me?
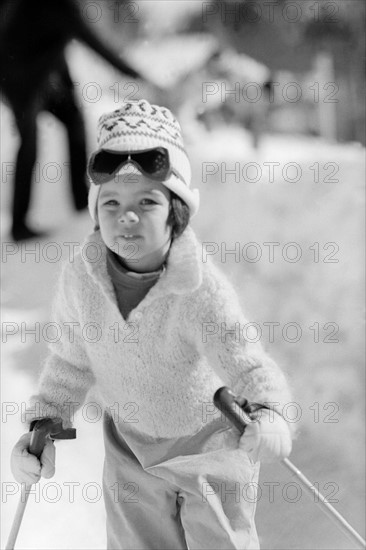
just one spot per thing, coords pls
(47, 427)
(226, 402)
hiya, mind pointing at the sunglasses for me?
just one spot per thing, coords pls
(153, 163)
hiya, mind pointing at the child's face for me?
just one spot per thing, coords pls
(132, 214)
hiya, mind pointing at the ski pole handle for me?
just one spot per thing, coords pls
(226, 402)
(40, 432)
(47, 427)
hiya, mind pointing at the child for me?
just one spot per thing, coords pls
(163, 342)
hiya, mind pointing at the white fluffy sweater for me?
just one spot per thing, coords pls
(155, 369)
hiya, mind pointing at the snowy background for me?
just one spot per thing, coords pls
(319, 198)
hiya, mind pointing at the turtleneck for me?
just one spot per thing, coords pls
(130, 287)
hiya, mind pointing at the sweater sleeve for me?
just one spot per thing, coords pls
(66, 376)
(222, 334)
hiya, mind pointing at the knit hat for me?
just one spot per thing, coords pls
(137, 126)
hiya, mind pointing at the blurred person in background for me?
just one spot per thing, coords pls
(246, 88)
(34, 77)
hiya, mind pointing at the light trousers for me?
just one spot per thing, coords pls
(196, 492)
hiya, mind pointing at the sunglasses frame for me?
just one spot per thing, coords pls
(104, 178)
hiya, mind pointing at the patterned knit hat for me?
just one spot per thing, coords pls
(137, 126)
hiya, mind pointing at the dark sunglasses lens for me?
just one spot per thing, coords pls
(154, 163)
(106, 163)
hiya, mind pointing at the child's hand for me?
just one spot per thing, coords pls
(267, 438)
(25, 467)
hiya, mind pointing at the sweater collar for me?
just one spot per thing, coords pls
(183, 273)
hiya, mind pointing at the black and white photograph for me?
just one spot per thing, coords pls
(182, 274)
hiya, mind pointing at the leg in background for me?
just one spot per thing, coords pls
(61, 103)
(26, 158)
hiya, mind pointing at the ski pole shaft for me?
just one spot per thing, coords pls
(327, 508)
(36, 446)
(18, 519)
(226, 402)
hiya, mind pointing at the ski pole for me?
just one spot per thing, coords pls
(46, 427)
(226, 402)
